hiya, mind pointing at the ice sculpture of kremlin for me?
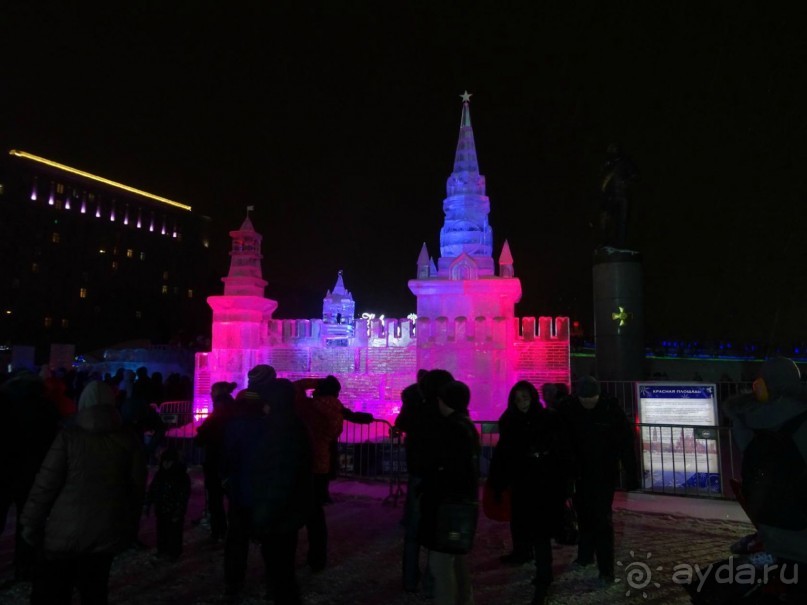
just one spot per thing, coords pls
(465, 322)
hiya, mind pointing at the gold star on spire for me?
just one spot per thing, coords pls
(466, 97)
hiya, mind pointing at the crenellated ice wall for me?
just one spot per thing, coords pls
(382, 359)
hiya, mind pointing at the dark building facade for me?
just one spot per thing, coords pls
(91, 262)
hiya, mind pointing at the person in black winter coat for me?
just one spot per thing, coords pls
(168, 493)
(28, 425)
(210, 436)
(533, 460)
(267, 473)
(418, 419)
(283, 490)
(603, 440)
(242, 436)
(451, 474)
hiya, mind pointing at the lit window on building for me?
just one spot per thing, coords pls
(54, 237)
(48, 321)
(65, 323)
(59, 188)
(165, 289)
(34, 267)
(82, 293)
(142, 256)
(129, 253)
(206, 243)
(165, 275)
(114, 265)
(190, 293)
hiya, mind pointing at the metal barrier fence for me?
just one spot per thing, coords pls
(682, 460)
(675, 459)
(373, 451)
(687, 460)
(368, 451)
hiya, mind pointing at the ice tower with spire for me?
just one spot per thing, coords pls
(241, 315)
(465, 322)
(465, 311)
(338, 313)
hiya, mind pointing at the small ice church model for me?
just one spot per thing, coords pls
(465, 318)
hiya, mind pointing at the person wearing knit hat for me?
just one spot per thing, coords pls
(84, 506)
(259, 375)
(259, 378)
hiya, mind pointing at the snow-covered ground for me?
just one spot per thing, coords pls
(365, 551)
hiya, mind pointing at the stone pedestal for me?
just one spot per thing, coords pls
(618, 314)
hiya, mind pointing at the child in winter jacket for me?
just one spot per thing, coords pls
(169, 493)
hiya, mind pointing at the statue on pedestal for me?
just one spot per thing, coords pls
(612, 217)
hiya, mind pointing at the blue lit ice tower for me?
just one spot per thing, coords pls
(465, 312)
(338, 314)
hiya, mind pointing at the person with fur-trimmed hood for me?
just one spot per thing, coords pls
(777, 408)
(84, 506)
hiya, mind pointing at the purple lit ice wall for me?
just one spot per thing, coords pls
(465, 318)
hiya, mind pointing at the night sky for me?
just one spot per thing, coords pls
(339, 125)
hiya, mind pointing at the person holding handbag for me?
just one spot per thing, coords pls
(449, 497)
(534, 462)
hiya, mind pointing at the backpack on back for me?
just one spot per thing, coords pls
(775, 478)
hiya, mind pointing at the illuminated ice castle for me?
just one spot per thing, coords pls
(465, 318)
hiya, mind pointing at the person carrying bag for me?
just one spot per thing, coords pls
(449, 497)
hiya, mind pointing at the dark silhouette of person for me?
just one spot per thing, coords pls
(534, 460)
(602, 440)
(168, 493)
(451, 474)
(85, 504)
(28, 425)
(210, 436)
(417, 420)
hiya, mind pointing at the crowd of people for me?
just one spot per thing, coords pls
(568, 447)
(79, 481)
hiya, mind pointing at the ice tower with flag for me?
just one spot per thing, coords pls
(465, 322)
